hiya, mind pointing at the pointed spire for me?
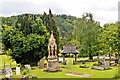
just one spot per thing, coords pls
(45, 13)
(50, 11)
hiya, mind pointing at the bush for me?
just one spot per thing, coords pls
(24, 72)
(59, 55)
(95, 64)
(116, 76)
(1, 53)
(71, 55)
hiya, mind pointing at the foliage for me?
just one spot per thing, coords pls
(10, 21)
(50, 23)
(85, 32)
(108, 37)
(66, 25)
(7, 60)
(24, 72)
(28, 40)
(28, 34)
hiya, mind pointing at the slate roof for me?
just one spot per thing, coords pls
(69, 48)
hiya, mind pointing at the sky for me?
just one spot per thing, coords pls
(104, 11)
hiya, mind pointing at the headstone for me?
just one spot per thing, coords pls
(17, 71)
(119, 61)
(98, 67)
(29, 77)
(106, 65)
(8, 71)
(0, 72)
(101, 61)
(83, 61)
(112, 63)
(28, 67)
(41, 63)
(116, 60)
(60, 59)
(84, 66)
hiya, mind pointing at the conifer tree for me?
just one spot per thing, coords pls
(50, 23)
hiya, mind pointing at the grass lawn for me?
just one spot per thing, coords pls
(7, 60)
(40, 73)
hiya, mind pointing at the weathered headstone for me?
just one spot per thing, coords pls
(60, 59)
(41, 63)
(8, 71)
(0, 72)
(98, 67)
(116, 60)
(18, 71)
(29, 77)
(106, 65)
(28, 67)
(119, 61)
(101, 61)
(83, 61)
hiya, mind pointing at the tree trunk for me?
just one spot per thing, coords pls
(90, 56)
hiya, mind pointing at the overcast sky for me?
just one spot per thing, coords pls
(104, 11)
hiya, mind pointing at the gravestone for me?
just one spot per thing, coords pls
(18, 71)
(83, 61)
(98, 67)
(28, 67)
(60, 59)
(41, 63)
(116, 60)
(119, 61)
(8, 71)
(101, 61)
(0, 72)
(106, 65)
(29, 77)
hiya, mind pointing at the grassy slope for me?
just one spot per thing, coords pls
(68, 68)
(7, 60)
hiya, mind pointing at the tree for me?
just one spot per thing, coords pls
(108, 38)
(66, 25)
(28, 40)
(50, 23)
(85, 32)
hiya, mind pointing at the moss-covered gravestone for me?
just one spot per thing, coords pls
(41, 63)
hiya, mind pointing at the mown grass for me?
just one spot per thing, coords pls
(7, 61)
(40, 73)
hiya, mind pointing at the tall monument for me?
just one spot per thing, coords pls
(52, 64)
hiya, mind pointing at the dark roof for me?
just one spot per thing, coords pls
(69, 48)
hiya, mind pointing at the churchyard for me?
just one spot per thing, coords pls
(64, 73)
(58, 46)
(54, 66)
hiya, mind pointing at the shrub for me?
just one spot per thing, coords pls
(24, 72)
(116, 76)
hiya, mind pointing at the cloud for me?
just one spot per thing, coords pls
(103, 10)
